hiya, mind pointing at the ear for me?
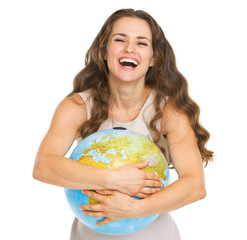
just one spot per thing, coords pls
(152, 62)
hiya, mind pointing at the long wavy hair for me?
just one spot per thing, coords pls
(164, 77)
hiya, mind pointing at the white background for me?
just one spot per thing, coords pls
(43, 44)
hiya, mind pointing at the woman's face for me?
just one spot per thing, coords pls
(129, 51)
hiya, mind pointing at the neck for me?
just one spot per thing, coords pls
(126, 97)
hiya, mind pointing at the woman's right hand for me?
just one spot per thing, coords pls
(131, 180)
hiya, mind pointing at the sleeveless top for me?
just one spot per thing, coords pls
(163, 227)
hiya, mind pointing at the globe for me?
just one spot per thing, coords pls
(111, 149)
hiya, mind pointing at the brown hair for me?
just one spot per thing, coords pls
(164, 77)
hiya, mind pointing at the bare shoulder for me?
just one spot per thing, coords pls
(73, 102)
(182, 142)
(174, 120)
(68, 117)
(71, 110)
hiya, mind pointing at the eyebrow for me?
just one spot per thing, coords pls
(125, 35)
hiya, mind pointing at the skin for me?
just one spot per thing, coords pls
(52, 167)
(189, 188)
(131, 38)
(183, 148)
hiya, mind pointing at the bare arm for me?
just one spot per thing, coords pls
(187, 189)
(187, 160)
(52, 167)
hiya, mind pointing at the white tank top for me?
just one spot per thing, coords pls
(163, 228)
(140, 124)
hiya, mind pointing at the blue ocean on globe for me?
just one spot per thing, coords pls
(111, 149)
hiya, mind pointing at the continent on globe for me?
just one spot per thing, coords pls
(111, 149)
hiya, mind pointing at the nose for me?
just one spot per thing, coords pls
(130, 47)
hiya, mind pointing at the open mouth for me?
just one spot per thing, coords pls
(128, 63)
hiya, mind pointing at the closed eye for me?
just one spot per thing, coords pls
(119, 40)
(143, 44)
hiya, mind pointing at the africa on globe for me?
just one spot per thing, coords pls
(111, 149)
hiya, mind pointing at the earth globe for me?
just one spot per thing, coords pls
(111, 149)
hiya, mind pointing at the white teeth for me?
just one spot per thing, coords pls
(128, 60)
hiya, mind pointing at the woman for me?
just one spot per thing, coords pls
(130, 80)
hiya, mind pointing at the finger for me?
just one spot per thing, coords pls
(104, 221)
(105, 192)
(153, 183)
(152, 176)
(149, 190)
(141, 195)
(94, 214)
(91, 207)
(93, 195)
(146, 192)
(141, 164)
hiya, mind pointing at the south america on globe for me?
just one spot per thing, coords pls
(110, 149)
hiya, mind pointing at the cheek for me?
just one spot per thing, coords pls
(111, 64)
(112, 57)
(112, 51)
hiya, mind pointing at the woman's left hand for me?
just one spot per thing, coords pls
(113, 205)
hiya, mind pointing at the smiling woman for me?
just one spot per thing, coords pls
(130, 80)
(129, 48)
